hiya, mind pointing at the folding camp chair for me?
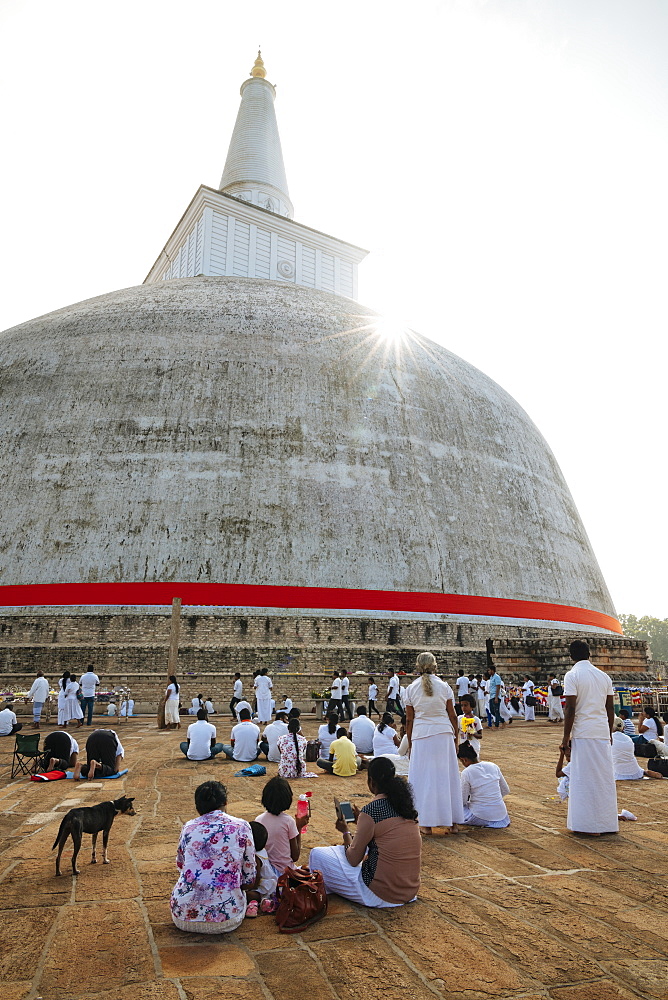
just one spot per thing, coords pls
(26, 754)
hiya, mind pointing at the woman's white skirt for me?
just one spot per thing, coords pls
(71, 711)
(172, 718)
(264, 709)
(555, 709)
(341, 878)
(592, 795)
(434, 775)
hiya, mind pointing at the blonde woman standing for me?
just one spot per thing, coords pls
(431, 728)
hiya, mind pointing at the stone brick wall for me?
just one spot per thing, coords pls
(299, 652)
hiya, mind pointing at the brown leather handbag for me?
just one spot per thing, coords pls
(303, 899)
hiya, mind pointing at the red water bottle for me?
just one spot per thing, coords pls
(304, 808)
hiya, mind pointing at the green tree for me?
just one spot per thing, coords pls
(652, 630)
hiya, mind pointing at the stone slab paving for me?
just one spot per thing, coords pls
(528, 913)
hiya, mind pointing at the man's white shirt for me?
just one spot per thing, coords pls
(200, 734)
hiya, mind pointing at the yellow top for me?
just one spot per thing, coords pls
(344, 752)
(258, 68)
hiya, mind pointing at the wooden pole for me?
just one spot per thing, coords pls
(174, 637)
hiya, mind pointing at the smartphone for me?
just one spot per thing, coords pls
(344, 810)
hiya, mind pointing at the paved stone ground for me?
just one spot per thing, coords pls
(529, 912)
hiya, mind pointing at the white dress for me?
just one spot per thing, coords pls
(555, 711)
(61, 704)
(263, 686)
(72, 708)
(172, 706)
(433, 770)
(529, 713)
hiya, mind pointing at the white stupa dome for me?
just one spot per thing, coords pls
(236, 431)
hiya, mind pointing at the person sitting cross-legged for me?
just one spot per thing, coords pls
(200, 743)
(343, 760)
(244, 739)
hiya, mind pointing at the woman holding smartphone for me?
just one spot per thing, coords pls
(380, 865)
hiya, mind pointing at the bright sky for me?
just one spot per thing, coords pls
(504, 160)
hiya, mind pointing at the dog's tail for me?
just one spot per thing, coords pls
(61, 831)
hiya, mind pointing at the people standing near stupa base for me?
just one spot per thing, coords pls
(555, 711)
(372, 696)
(263, 685)
(39, 695)
(495, 696)
(335, 703)
(237, 694)
(89, 682)
(461, 684)
(171, 704)
(345, 694)
(529, 699)
(392, 703)
(71, 707)
(588, 721)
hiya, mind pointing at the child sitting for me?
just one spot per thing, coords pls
(261, 896)
(284, 842)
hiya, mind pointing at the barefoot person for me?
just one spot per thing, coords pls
(431, 727)
(588, 720)
(104, 753)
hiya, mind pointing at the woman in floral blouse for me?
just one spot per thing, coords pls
(216, 859)
(292, 748)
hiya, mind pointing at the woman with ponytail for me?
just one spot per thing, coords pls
(292, 748)
(380, 865)
(431, 727)
(62, 688)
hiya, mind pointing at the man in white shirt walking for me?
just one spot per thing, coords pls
(200, 742)
(89, 682)
(588, 719)
(462, 684)
(335, 698)
(393, 704)
(345, 694)
(244, 739)
(38, 694)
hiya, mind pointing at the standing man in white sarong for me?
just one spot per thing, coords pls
(263, 685)
(588, 719)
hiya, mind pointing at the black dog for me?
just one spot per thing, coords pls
(90, 819)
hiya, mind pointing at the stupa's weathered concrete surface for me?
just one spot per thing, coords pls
(247, 431)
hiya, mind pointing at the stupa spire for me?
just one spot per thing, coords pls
(254, 170)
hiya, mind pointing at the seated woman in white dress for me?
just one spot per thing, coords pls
(483, 789)
(624, 762)
(385, 739)
(380, 866)
(400, 758)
